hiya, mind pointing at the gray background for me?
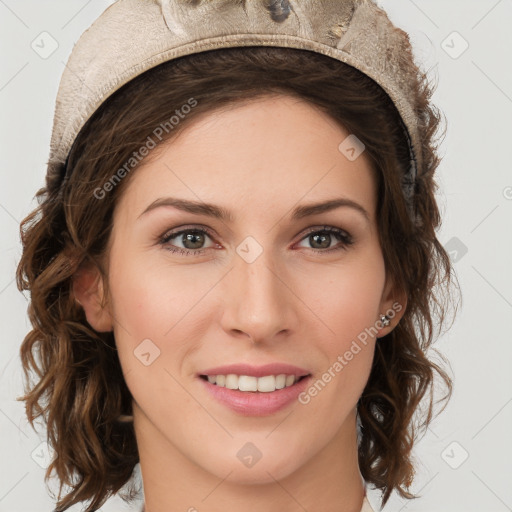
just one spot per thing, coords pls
(464, 459)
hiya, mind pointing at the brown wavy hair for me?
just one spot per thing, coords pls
(80, 391)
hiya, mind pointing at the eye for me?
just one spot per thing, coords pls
(191, 238)
(322, 238)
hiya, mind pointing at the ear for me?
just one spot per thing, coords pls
(393, 304)
(89, 293)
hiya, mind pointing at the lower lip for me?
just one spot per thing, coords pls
(256, 403)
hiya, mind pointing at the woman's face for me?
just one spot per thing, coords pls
(263, 285)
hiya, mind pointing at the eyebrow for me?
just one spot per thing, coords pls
(218, 212)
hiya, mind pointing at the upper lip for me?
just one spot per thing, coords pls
(256, 371)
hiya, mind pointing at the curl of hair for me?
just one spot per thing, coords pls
(80, 391)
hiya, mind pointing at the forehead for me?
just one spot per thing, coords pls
(270, 150)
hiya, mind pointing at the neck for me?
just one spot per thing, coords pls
(328, 482)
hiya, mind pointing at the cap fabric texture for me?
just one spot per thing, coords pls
(132, 36)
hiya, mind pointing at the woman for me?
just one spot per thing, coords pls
(233, 266)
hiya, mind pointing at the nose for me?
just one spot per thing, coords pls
(259, 302)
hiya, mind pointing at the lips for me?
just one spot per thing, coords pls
(254, 402)
(256, 371)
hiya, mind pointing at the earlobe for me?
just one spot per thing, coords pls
(393, 305)
(89, 293)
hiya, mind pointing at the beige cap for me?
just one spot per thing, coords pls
(132, 36)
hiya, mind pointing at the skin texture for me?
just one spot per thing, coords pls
(296, 303)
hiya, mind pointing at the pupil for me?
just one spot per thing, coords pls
(190, 237)
(324, 237)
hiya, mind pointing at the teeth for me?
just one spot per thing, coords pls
(280, 381)
(265, 384)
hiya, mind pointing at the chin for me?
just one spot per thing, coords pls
(253, 463)
(265, 471)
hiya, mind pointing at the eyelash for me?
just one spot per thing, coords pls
(345, 238)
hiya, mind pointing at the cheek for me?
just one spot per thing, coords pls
(150, 306)
(151, 301)
(347, 304)
(140, 308)
(149, 297)
(346, 298)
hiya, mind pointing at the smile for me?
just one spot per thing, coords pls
(248, 383)
(254, 396)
